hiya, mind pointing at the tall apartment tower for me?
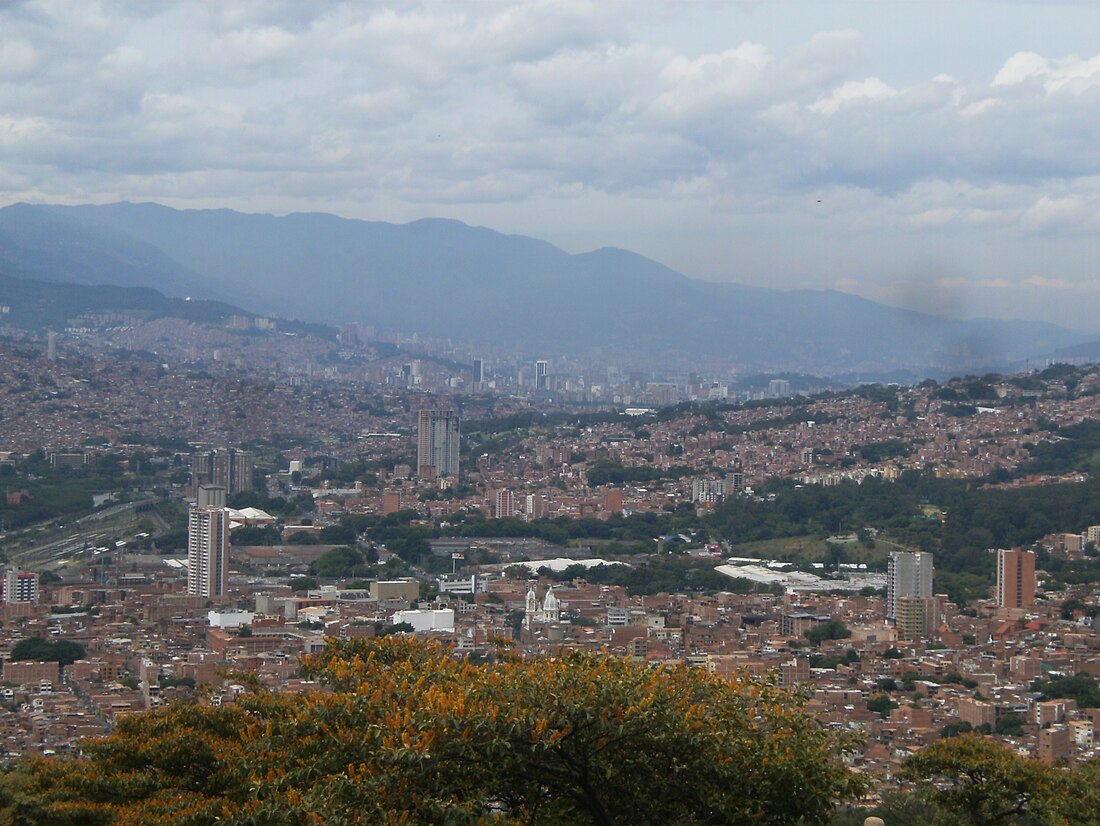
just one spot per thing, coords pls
(207, 551)
(479, 371)
(907, 575)
(228, 468)
(534, 506)
(1015, 578)
(542, 375)
(506, 504)
(437, 441)
(735, 478)
(17, 585)
(918, 618)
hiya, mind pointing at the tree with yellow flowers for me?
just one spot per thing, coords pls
(408, 733)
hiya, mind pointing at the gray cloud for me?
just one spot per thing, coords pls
(805, 163)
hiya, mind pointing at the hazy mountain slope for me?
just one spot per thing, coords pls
(41, 305)
(1089, 351)
(445, 278)
(43, 245)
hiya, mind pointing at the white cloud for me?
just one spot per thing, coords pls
(852, 92)
(697, 87)
(1049, 213)
(18, 58)
(979, 107)
(1071, 74)
(17, 133)
(1019, 68)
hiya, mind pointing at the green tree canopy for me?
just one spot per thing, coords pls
(972, 780)
(63, 652)
(339, 562)
(1080, 687)
(834, 629)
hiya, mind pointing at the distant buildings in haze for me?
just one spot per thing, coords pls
(779, 388)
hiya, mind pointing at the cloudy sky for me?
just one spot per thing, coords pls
(942, 156)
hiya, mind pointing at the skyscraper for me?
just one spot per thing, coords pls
(229, 468)
(908, 575)
(542, 375)
(478, 376)
(437, 442)
(1015, 578)
(506, 504)
(207, 551)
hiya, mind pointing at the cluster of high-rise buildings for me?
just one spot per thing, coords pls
(917, 612)
(215, 474)
(228, 468)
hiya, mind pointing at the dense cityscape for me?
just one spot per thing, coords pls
(172, 525)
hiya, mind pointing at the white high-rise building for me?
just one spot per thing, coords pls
(437, 443)
(17, 585)
(207, 551)
(708, 490)
(908, 575)
(542, 375)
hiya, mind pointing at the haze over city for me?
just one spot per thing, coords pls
(934, 156)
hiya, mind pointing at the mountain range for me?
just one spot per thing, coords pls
(446, 279)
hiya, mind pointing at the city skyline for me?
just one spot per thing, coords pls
(738, 537)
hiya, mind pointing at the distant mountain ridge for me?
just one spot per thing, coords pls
(443, 278)
(42, 305)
